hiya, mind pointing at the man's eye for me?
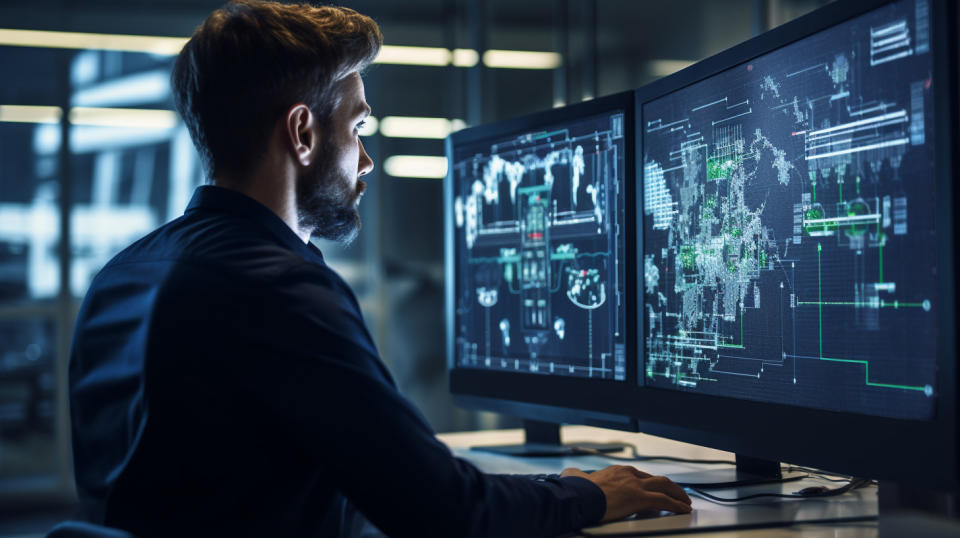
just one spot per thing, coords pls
(360, 126)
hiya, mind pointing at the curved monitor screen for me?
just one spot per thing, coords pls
(789, 250)
(538, 249)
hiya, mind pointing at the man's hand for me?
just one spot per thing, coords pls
(630, 490)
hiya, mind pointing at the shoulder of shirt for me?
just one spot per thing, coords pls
(238, 247)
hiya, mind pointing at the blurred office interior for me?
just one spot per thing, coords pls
(92, 157)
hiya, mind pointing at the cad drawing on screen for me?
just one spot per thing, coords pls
(538, 220)
(789, 251)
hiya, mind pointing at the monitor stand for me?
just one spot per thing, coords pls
(542, 439)
(749, 471)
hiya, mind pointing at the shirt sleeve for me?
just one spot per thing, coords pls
(374, 445)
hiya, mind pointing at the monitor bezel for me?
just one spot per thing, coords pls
(920, 452)
(549, 398)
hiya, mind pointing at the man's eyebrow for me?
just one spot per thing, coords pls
(364, 110)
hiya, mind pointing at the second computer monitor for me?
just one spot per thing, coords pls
(538, 247)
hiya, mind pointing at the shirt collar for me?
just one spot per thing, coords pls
(222, 200)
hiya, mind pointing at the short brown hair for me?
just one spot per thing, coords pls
(251, 60)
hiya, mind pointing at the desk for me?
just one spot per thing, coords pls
(860, 502)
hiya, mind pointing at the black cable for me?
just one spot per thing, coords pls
(806, 493)
(823, 475)
(741, 483)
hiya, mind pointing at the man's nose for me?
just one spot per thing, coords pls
(365, 166)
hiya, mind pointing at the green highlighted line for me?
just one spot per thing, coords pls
(535, 188)
(880, 304)
(820, 297)
(546, 134)
(866, 375)
(880, 247)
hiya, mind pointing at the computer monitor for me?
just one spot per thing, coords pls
(540, 285)
(797, 245)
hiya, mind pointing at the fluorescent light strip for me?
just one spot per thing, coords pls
(167, 46)
(123, 117)
(389, 54)
(30, 114)
(415, 127)
(395, 54)
(521, 59)
(104, 117)
(465, 57)
(416, 166)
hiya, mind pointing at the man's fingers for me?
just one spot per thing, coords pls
(638, 473)
(573, 471)
(665, 485)
(662, 501)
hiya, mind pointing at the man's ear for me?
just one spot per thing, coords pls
(301, 133)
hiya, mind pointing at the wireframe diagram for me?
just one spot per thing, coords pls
(538, 247)
(789, 243)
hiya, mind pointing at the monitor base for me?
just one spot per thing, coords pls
(749, 471)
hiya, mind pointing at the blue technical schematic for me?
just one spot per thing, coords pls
(538, 248)
(789, 249)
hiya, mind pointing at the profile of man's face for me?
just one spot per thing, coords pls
(329, 192)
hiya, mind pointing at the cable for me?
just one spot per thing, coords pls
(805, 493)
(822, 475)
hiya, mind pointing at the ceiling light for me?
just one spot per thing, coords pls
(465, 57)
(30, 114)
(395, 54)
(521, 59)
(123, 117)
(413, 127)
(75, 40)
(416, 166)
(389, 54)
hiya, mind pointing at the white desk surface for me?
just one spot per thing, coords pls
(860, 502)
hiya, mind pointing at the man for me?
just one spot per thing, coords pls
(222, 379)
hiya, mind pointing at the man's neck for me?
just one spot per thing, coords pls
(277, 193)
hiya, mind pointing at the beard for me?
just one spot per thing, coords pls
(326, 201)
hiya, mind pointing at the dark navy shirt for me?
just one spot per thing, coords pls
(222, 382)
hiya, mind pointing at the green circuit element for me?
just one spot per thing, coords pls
(711, 202)
(816, 212)
(688, 257)
(508, 272)
(866, 375)
(763, 258)
(718, 168)
(857, 208)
